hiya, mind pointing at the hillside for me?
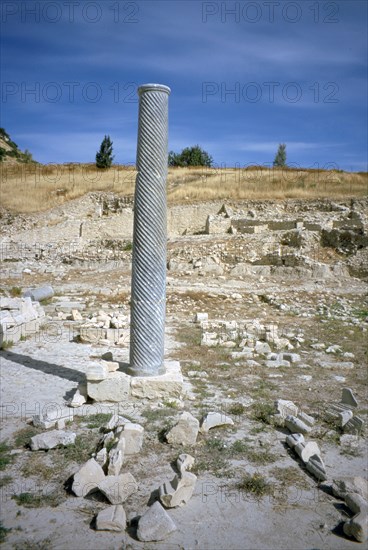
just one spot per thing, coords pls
(10, 152)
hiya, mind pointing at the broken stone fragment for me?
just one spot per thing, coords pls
(184, 463)
(286, 408)
(354, 425)
(108, 439)
(294, 439)
(343, 486)
(115, 387)
(185, 431)
(87, 478)
(295, 425)
(116, 421)
(50, 440)
(112, 518)
(343, 417)
(307, 419)
(112, 366)
(214, 419)
(306, 450)
(77, 400)
(51, 416)
(357, 526)
(101, 457)
(155, 524)
(348, 398)
(76, 315)
(116, 458)
(118, 488)
(199, 317)
(316, 467)
(178, 491)
(97, 372)
(132, 435)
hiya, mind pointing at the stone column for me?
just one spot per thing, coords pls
(148, 296)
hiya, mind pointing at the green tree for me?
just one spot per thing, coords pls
(104, 156)
(190, 156)
(280, 158)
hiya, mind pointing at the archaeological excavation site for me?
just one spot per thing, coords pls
(184, 374)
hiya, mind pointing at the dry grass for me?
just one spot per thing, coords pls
(35, 187)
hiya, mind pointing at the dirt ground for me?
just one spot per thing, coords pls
(252, 492)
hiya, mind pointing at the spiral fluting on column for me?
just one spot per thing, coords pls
(148, 295)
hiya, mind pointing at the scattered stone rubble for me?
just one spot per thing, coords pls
(19, 318)
(353, 490)
(343, 413)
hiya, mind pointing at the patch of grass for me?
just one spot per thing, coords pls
(22, 437)
(5, 457)
(80, 452)
(239, 447)
(7, 344)
(290, 476)
(128, 246)
(36, 467)
(97, 420)
(255, 484)
(5, 480)
(34, 500)
(15, 292)
(262, 412)
(153, 415)
(236, 409)
(3, 532)
(256, 455)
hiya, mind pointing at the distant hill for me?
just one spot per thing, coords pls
(9, 151)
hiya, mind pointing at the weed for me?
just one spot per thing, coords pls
(5, 457)
(22, 437)
(5, 480)
(97, 420)
(236, 409)
(32, 500)
(255, 484)
(7, 344)
(36, 467)
(84, 446)
(263, 412)
(15, 292)
(3, 532)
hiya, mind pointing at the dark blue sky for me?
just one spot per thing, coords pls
(245, 76)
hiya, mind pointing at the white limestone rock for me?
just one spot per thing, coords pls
(116, 459)
(316, 467)
(286, 408)
(50, 440)
(87, 478)
(185, 432)
(357, 526)
(118, 488)
(184, 462)
(155, 524)
(97, 372)
(49, 418)
(115, 387)
(132, 434)
(214, 419)
(348, 398)
(294, 439)
(306, 450)
(343, 486)
(77, 400)
(112, 518)
(178, 491)
(296, 426)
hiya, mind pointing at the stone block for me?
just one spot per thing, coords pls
(164, 386)
(116, 388)
(286, 408)
(178, 491)
(132, 434)
(214, 419)
(155, 524)
(118, 488)
(87, 478)
(97, 371)
(185, 431)
(296, 426)
(112, 518)
(49, 418)
(50, 440)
